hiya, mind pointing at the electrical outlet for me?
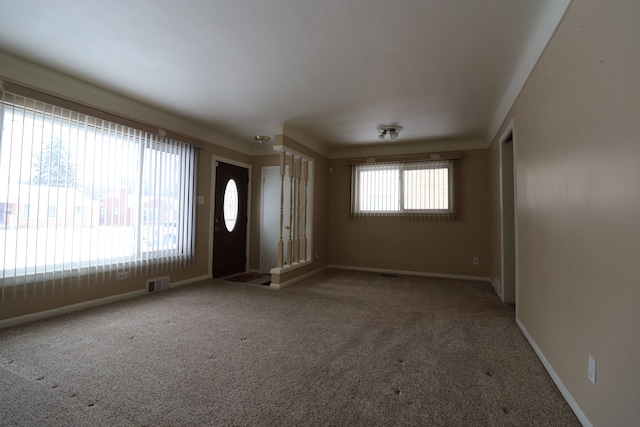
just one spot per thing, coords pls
(591, 373)
(476, 260)
(121, 275)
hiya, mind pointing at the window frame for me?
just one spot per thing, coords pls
(402, 211)
(441, 164)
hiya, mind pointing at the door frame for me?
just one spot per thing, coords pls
(212, 206)
(509, 288)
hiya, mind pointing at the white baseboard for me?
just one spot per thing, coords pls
(497, 288)
(69, 308)
(556, 379)
(189, 281)
(14, 321)
(296, 279)
(411, 273)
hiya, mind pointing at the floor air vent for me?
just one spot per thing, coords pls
(159, 284)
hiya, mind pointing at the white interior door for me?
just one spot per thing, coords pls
(270, 222)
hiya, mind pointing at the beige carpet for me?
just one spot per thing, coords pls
(341, 348)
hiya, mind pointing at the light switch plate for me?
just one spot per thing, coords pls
(591, 374)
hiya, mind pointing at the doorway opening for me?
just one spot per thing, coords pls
(270, 220)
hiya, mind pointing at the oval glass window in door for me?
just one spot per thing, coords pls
(230, 205)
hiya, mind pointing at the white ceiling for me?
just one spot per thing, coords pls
(332, 70)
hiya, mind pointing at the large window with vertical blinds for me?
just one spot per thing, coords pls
(80, 195)
(422, 189)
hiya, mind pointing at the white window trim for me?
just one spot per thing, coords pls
(401, 211)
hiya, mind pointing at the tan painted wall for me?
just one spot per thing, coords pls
(81, 293)
(33, 299)
(577, 154)
(425, 246)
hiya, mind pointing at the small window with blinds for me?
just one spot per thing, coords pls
(419, 189)
(81, 196)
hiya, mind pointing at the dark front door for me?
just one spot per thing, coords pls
(230, 220)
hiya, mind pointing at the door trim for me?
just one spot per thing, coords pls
(509, 287)
(212, 198)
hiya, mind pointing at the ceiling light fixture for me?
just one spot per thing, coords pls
(390, 131)
(262, 139)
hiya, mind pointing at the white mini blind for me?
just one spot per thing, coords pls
(417, 189)
(83, 196)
